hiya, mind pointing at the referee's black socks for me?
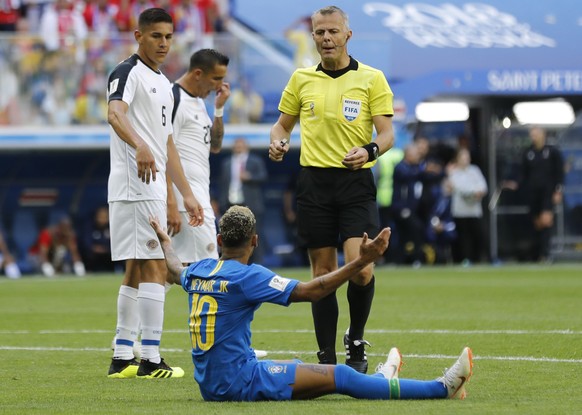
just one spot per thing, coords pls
(325, 315)
(360, 300)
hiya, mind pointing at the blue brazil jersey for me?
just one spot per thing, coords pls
(223, 297)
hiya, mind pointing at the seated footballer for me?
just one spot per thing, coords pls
(223, 295)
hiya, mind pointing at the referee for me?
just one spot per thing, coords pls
(338, 103)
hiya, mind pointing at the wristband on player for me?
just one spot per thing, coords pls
(218, 112)
(373, 151)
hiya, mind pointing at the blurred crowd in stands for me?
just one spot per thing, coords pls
(55, 56)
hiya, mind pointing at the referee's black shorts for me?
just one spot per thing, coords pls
(334, 205)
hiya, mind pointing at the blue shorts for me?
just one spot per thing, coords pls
(259, 380)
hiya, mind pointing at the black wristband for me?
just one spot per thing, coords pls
(373, 151)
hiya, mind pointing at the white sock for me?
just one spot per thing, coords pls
(167, 287)
(150, 302)
(127, 323)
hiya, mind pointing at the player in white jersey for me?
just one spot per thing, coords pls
(196, 136)
(142, 151)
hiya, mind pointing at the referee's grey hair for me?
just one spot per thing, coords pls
(237, 226)
(331, 10)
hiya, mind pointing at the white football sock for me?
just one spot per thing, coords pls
(127, 323)
(150, 302)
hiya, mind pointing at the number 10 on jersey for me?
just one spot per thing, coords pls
(202, 321)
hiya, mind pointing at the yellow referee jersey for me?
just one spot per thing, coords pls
(335, 113)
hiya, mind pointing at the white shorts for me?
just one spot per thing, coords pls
(132, 237)
(194, 243)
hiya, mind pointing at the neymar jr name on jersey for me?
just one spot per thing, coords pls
(209, 286)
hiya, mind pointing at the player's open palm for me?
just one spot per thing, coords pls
(372, 250)
(160, 232)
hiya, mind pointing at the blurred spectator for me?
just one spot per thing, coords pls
(210, 15)
(101, 18)
(134, 9)
(423, 146)
(188, 24)
(406, 207)
(290, 219)
(9, 15)
(56, 250)
(222, 15)
(62, 26)
(97, 242)
(9, 87)
(90, 108)
(122, 18)
(7, 261)
(542, 177)
(241, 181)
(433, 169)
(441, 230)
(246, 105)
(58, 104)
(91, 104)
(299, 34)
(468, 186)
(33, 10)
(384, 173)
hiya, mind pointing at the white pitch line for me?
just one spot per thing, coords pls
(304, 352)
(565, 332)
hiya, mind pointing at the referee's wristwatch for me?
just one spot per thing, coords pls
(373, 151)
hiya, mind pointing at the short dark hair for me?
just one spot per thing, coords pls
(237, 226)
(152, 16)
(207, 59)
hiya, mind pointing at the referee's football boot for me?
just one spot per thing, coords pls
(327, 356)
(391, 367)
(356, 354)
(150, 370)
(456, 377)
(123, 369)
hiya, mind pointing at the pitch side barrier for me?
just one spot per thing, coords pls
(97, 138)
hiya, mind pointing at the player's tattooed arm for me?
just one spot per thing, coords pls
(323, 285)
(173, 263)
(319, 369)
(216, 135)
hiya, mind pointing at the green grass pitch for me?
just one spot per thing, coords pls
(524, 324)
